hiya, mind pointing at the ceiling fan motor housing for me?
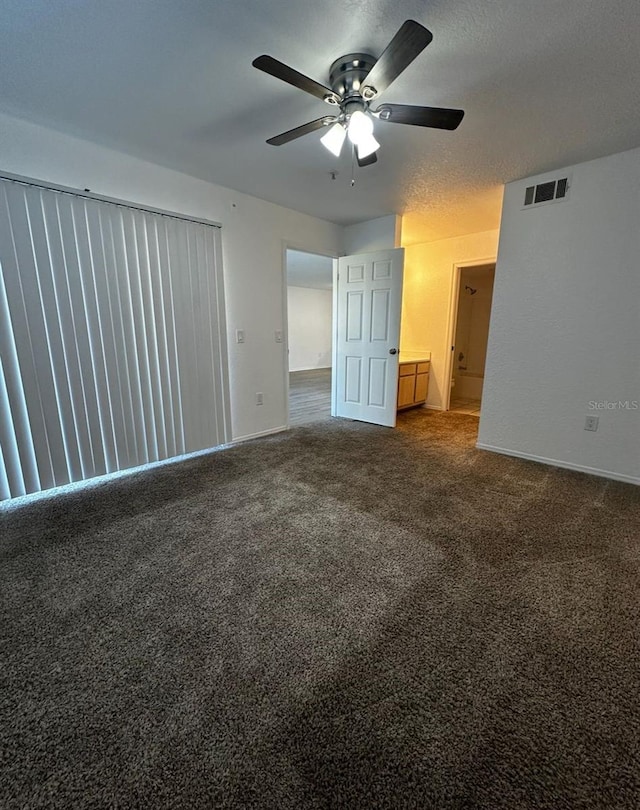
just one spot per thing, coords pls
(347, 74)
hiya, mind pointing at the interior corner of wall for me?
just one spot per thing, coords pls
(397, 242)
(402, 230)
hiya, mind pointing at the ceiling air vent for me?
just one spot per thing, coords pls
(551, 191)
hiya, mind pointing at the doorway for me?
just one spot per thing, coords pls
(309, 289)
(471, 334)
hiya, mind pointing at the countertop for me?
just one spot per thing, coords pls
(411, 357)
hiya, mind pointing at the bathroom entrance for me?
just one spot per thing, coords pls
(470, 337)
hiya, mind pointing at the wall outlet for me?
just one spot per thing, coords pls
(239, 335)
(591, 422)
(259, 399)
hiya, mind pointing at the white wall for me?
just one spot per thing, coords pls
(565, 326)
(375, 234)
(309, 318)
(253, 237)
(428, 296)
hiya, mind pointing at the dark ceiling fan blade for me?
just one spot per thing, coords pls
(368, 161)
(298, 132)
(281, 71)
(410, 40)
(436, 117)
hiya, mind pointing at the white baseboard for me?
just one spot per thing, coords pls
(567, 465)
(260, 433)
(433, 407)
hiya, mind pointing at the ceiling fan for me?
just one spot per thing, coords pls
(356, 80)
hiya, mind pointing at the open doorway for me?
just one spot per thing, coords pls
(469, 348)
(309, 278)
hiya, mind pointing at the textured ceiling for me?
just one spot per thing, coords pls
(309, 270)
(544, 84)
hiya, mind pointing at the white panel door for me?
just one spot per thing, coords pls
(369, 300)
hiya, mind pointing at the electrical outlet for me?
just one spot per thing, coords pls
(591, 423)
(259, 398)
(239, 335)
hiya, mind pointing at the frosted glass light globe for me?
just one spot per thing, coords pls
(360, 127)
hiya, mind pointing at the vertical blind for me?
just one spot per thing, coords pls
(112, 347)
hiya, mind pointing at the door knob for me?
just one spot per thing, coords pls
(393, 351)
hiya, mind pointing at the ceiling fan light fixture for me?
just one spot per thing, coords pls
(360, 127)
(367, 146)
(334, 138)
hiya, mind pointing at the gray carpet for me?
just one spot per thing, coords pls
(343, 616)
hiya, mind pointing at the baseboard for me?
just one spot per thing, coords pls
(433, 407)
(567, 465)
(258, 435)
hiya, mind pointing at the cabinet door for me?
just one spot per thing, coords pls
(406, 369)
(406, 390)
(422, 384)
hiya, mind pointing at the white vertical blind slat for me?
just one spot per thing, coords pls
(218, 329)
(172, 375)
(126, 432)
(186, 370)
(147, 336)
(61, 339)
(154, 298)
(140, 338)
(109, 390)
(133, 410)
(21, 290)
(13, 479)
(197, 305)
(5, 489)
(72, 333)
(211, 297)
(19, 454)
(42, 312)
(110, 350)
(94, 369)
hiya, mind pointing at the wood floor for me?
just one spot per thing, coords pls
(309, 396)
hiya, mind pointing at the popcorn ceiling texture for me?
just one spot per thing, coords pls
(544, 85)
(341, 616)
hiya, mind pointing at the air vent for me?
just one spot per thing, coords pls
(551, 191)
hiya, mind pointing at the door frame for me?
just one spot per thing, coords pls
(452, 320)
(288, 245)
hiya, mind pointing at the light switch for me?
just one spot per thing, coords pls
(279, 336)
(239, 335)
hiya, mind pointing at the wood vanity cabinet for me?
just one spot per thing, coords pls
(413, 383)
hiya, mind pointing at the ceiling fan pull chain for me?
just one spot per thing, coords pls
(353, 166)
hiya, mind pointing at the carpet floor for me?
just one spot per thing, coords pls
(341, 616)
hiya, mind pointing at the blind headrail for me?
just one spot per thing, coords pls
(90, 195)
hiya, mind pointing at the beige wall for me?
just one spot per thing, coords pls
(428, 296)
(472, 325)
